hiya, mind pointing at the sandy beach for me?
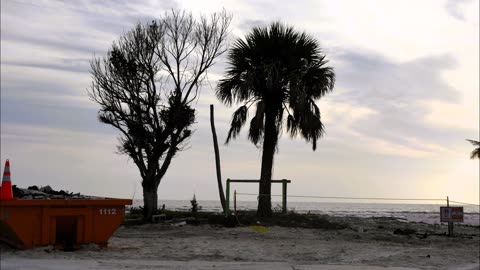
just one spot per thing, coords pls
(367, 243)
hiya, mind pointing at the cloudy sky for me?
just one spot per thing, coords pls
(406, 98)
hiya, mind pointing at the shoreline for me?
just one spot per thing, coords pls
(429, 213)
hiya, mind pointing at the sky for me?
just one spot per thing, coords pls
(405, 100)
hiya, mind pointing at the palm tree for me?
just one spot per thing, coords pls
(476, 151)
(282, 72)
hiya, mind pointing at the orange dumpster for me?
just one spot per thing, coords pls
(65, 223)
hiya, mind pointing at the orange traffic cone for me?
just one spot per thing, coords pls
(6, 192)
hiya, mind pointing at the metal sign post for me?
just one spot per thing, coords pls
(451, 215)
(450, 223)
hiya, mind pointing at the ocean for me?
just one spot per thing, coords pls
(427, 213)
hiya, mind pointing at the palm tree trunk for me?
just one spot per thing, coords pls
(269, 143)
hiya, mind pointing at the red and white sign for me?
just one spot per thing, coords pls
(451, 214)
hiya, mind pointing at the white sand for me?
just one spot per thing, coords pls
(370, 244)
(63, 264)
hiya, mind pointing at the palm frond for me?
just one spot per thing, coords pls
(283, 68)
(238, 120)
(309, 123)
(257, 127)
(476, 152)
(292, 126)
(474, 143)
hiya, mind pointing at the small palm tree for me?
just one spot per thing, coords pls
(476, 151)
(281, 72)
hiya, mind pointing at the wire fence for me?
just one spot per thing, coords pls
(464, 203)
(359, 198)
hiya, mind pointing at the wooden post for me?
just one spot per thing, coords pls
(235, 202)
(284, 196)
(217, 160)
(450, 223)
(227, 199)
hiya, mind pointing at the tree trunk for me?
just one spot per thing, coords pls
(269, 142)
(217, 160)
(150, 201)
(152, 180)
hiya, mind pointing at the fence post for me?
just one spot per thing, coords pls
(284, 196)
(235, 202)
(227, 199)
(450, 223)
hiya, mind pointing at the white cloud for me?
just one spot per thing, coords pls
(407, 94)
(455, 116)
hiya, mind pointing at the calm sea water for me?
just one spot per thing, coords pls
(428, 213)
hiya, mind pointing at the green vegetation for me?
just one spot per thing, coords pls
(243, 218)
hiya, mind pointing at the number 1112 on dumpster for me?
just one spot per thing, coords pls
(108, 211)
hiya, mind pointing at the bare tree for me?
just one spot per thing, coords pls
(146, 86)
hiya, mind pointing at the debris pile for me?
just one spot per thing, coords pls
(45, 192)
